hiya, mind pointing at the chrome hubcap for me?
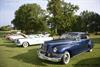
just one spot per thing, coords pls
(25, 44)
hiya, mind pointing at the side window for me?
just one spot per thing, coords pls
(83, 36)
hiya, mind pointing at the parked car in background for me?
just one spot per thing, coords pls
(31, 40)
(69, 44)
(39, 35)
(13, 37)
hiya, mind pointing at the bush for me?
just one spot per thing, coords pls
(5, 28)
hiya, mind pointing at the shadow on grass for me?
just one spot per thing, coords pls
(92, 62)
(32, 58)
(8, 44)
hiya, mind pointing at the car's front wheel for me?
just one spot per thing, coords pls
(66, 57)
(25, 44)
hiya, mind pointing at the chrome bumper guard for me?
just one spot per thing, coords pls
(42, 56)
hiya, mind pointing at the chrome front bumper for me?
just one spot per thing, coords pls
(18, 44)
(42, 56)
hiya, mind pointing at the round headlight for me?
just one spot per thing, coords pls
(55, 49)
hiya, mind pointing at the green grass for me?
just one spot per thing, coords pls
(12, 56)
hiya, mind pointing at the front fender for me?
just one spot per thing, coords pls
(63, 48)
(23, 40)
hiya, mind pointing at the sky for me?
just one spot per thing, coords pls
(8, 7)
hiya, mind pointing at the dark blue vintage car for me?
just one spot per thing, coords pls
(68, 45)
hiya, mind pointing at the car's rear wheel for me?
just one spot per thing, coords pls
(66, 57)
(90, 50)
(25, 44)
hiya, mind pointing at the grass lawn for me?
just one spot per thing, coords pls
(12, 56)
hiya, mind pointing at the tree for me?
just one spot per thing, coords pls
(30, 18)
(5, 28)
(69, 17)
(89, 21)
(54, 9)
(62, 15)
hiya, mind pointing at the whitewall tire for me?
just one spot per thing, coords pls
(90, 50)
(66, 57)
(25, 44)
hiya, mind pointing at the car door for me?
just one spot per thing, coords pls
(39, 40)
(83, 44)
(80, 45)
(76, 47)
(34, 40)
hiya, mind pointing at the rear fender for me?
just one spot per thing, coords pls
(90, 44)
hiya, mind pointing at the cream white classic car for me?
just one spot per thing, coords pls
(32, 39)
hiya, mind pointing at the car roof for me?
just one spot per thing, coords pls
(76, 33)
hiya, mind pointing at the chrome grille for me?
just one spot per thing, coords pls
(44, 47)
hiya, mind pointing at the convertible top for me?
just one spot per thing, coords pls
(76, 33)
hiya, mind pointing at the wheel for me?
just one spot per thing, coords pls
(66, 58)
(90, 50)
(25, 44)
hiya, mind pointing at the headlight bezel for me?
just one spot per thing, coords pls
(55, 49)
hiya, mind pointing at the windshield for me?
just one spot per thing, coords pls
(68, 36)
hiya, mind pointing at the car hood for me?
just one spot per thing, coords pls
(59, 42)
